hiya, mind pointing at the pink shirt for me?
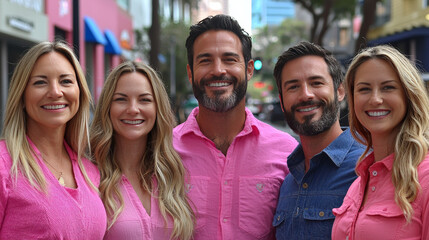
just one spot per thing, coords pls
(61, 213)
(235, 196)
(134, 223)
(380, 217)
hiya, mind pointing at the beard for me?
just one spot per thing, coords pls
(219, 103)
(308, 127)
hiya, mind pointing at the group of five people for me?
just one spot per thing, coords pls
(222, 174)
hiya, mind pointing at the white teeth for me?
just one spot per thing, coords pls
(134, 122)
(52, 107)
(306, 109)
(378, 114)
(218, 84)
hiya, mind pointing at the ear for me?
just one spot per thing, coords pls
(341, 92)
(188, 70)
(250, 68)
(281, 102)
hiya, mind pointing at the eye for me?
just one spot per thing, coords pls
(119, 99)
(67, 81)
(389, 87)
(363, 89)
(291, 87)
(39, 82)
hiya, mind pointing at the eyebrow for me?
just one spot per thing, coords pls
(61, 76)
(227, 54)
(125, 95)
(311, 78)
(384, 82)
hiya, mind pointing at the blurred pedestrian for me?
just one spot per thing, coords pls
(142, 176)
(48, 189)
(389, 113)
(310, 83)
(236, 163)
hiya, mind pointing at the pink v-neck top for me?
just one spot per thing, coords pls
(134, 223)
(60, 213)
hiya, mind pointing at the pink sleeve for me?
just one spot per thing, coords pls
(425, 205)
(4, 191)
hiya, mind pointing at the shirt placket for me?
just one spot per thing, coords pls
(226, 195)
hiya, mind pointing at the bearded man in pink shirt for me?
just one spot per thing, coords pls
(235, 163)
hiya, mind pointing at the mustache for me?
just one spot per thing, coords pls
(308, 103)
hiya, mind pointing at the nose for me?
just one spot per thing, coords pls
(133, 107)
(306, 92)
(55, 90)
(376, 98)
(218, 68)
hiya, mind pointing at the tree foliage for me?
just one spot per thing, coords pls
(270, 41)
(324, 13)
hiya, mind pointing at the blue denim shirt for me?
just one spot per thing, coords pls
(304, 209)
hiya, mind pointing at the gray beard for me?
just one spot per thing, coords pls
(219, 103)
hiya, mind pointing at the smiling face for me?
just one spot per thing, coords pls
(310, 103)
(51, 97)
(379, 99)
(133, 107)
(220, 75)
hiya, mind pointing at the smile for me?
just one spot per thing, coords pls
(377, 113)
(54, 107)
(133, 122)
(218, 84)
(306, 109)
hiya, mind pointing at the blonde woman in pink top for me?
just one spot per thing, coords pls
(142, 177)
(48, 189)
(389, 112)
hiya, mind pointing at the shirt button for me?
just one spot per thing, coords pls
(373, 189)
(278, 218)
(305, 185)
(374, 173)
(226, 182)
(321, 213)
(347, 238)
(225, 220)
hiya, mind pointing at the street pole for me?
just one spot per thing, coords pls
(76, 28)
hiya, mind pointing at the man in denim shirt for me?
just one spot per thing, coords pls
(309, 80)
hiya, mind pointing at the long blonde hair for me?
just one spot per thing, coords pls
(412, 141)
(159, 160)
(14, 130)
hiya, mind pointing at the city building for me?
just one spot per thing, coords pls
(404, 25)
(101, 32)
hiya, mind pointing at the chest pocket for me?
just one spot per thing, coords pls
(257, 203)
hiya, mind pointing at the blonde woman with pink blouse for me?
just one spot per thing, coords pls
(389, 112)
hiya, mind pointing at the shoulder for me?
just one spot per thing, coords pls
(5, 159)
(92, 170)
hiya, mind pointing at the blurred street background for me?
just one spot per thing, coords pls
(106, 32)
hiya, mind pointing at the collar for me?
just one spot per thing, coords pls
(336, 151)
(368, 161)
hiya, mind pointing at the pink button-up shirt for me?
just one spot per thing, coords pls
(61, 213)
(234, 196)
(380, 217)
(134, 223)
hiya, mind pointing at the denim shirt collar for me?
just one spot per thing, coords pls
(336, 151)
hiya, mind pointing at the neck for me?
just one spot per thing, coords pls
(313, 145)
(49, 143)
(383, 146)
(222, 128)
(129, 154)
